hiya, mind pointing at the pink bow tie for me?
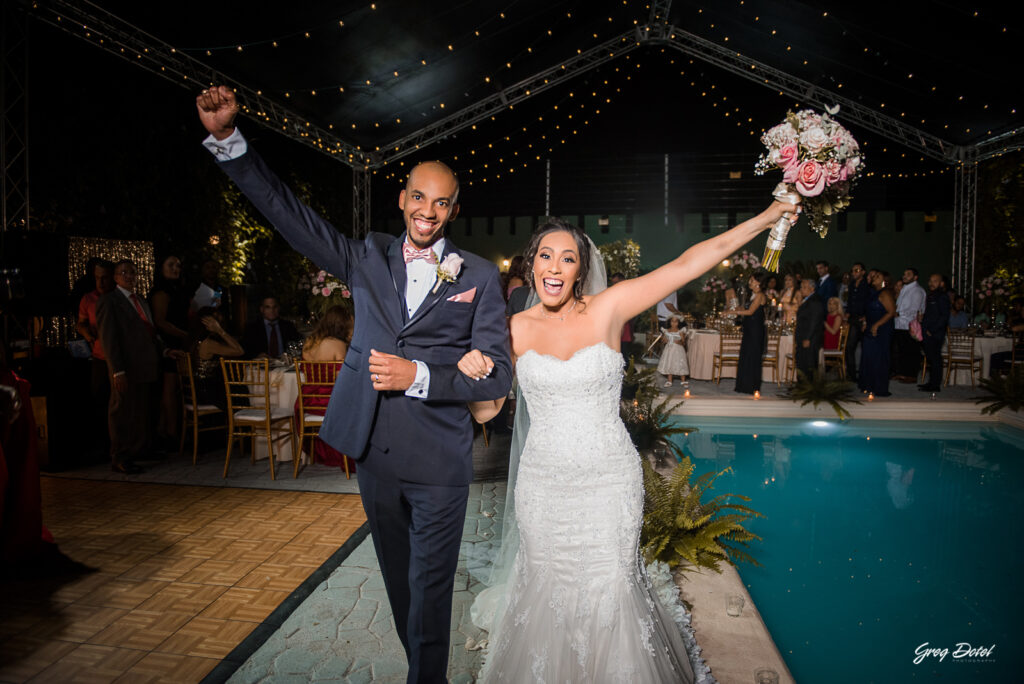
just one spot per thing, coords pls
(410, 253)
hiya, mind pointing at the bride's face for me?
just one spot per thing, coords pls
(556, 268)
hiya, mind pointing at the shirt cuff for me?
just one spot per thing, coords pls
(419, 387)
(231, 147)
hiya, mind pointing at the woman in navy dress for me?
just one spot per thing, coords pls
(878, 326)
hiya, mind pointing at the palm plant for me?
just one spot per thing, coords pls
(679, 527)
(818, 389)
(1004, 391)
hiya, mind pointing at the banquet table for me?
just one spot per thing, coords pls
(701, 346)
(983, 347)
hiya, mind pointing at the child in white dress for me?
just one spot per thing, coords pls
(673, 358)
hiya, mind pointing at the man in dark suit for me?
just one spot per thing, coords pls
(399, 405)
(133, 350)
(809, 333)
(827, 288)
(270, 334)
(856, 308)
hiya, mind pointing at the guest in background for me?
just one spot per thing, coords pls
(88, 328)
(833, 323)
(329, 339)
(771, 291)
(666, 309)
(790, 298)
(909, 306)
(328, 342)
(673, 359)
(826, 287)
(169, 302)
(958, 318)
(844, 290)
(879, 313)
(732, 297)
(857, 298)
(514, 277)
(809, 330)
(210, 343)
(86, 283)
(270, 334)
(626, 342)
(933, 331)
(133, 353)
(210, 293)
(748, 367)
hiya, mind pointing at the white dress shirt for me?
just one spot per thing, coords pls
(420, 276)
(909, 304)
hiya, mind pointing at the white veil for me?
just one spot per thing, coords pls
(489, 604)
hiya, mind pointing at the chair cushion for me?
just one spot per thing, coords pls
(202, 408)
(311, 418)
(260, 414)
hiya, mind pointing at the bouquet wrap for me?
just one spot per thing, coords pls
(777, 237)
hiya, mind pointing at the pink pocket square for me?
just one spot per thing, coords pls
(465, 297)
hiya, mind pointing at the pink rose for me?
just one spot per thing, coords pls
(320, 277)
(346, 294)
(988, 292)
(326, 292)
(786, 156)
(815, 140)
(810, 180)
(833, 171)
(851, 165)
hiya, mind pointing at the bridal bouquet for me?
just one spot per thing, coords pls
(820, 162)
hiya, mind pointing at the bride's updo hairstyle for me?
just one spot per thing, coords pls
(553, 225)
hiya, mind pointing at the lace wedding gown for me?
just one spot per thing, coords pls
(580, 607)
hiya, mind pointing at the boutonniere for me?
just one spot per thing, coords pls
(448, 270)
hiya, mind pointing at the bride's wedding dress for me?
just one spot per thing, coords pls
(579, 606)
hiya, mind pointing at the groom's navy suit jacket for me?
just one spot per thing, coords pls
(417, 440)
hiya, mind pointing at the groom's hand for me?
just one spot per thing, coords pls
(390, 372)
(217, 109)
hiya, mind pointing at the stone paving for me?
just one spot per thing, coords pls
(343, 632)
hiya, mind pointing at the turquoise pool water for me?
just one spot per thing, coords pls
(879, 537)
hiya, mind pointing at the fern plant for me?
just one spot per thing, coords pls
(1004, 391)
(648, 424)
(819, 389)
(678, 526)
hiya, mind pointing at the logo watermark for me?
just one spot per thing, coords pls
(963, 652)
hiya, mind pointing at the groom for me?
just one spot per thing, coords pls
(399, 404)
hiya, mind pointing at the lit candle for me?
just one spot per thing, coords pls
(871, 396)
(686, 394)
(757, 394)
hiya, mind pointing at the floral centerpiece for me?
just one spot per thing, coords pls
(709, 291)
(621, 256)
(744, 263)
(820, 162)
(328, 291)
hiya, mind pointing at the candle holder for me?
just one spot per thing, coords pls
(765, 675)
(734, 605)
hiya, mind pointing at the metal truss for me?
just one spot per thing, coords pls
(997, 145)
(111, 34)
(811, 94)
(510, 96)
(361, 202)
(14, 119)
(964, 225)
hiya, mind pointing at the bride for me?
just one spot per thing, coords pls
(577, 605)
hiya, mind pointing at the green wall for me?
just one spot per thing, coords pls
(884, 247)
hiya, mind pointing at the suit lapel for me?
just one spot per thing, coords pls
(437, 293)
(396, 264)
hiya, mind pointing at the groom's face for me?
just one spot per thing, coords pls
(428, 203)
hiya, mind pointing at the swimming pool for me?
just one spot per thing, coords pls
(879, 537)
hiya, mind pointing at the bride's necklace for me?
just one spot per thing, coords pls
(559, 318)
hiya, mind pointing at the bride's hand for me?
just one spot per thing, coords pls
(776, 209)
(475, 364)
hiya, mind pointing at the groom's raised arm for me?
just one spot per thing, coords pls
(490, 336)
(305, 230)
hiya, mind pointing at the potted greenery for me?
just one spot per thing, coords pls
(819, 389)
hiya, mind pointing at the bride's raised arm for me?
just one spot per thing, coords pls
(632, 297)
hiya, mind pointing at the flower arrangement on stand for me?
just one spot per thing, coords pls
(328, 291)
(710, 289)
(744, 263)
(621, 256)
(820, 162)
(994, 290)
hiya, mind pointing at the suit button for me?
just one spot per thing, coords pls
(401, 343)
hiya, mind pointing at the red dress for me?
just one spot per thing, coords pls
(832, 339)
(317, 405)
